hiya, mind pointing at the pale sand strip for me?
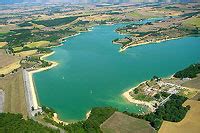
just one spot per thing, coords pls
(57, 120)
(1, 100)
(88, 114)
(144, 43)
(129, 98)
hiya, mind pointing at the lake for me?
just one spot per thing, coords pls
(91, 71)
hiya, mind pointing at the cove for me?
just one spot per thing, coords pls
(91, 71)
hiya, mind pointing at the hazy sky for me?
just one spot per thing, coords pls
(84, 1)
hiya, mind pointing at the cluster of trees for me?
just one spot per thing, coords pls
(10, 123)
(44, 50)
(189, 72)
(172, 111)
(161, 94)
(20, 37)
(80, 22)
(25, 24)
(17, 38)
(92, 124)
(127, 42)
(55, 22)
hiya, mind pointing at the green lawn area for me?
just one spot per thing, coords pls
(143, 97)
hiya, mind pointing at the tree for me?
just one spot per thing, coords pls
(157, 96)
(136, 90)
(32, 108)
(2, 75)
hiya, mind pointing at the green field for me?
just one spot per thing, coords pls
(38, 44)
(194, 21)
(55, 22)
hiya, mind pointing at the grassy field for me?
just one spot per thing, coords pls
(136, 14)
(8, 62)
(6, 28)
(38, 44)
(121, 123)
(26, 53)
(194, 21)
(17, 49)
(14, 93)
(190, 124)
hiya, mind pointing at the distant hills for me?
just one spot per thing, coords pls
(91, 1)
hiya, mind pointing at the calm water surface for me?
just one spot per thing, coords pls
(91, 71)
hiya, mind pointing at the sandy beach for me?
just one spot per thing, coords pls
(88, 114)
(129, 98)
(57, 120)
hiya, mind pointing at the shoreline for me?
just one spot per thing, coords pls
(145, 43)
(54, 64)
(31, 97)
(88, 114)
(57, 120)
(130, 99)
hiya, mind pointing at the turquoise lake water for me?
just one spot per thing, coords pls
(91, 71)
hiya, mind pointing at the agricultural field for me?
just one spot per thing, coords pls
(121, 123)
(194, 83)
(7, 28)
(38, 44)
(26, 53)
(190, 124)
(193, 22)
(55, 22)
(13, 87)
(8, 63)
(2, 44)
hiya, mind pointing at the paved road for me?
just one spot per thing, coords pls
(1, 100)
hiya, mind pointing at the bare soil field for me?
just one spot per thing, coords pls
(190, 124)
(121, 123)
(194, 83)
